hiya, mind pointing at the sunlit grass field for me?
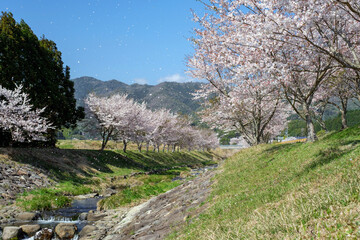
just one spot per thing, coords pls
(92, 144)
(289, 191)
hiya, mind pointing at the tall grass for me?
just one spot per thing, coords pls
(50, 198)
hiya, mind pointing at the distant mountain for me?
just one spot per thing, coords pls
(171, 95)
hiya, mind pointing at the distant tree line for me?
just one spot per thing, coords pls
(122, 119)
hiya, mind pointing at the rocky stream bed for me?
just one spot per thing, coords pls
(153, 219)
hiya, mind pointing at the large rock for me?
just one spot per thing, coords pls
(65, 230)
(92, 217)
(86, 230)
(28, 216)
(30, 229)
(44, 234)
(10, 233)
(83, 216)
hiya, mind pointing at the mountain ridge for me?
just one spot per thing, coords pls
(171, 95)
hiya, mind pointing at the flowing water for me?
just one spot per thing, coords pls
(69, 214)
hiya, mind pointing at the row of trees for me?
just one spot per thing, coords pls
(122, 119)
(264, 58)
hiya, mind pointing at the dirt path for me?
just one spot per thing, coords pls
(157, 217)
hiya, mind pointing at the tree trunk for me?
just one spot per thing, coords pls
(343, 114)
(106, 134)
(139, 147)
(173, 148)
(125, 145)
(164, 147)
(343, 120)
(147, 146)
(311, 135)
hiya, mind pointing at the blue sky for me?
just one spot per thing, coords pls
(142, 41)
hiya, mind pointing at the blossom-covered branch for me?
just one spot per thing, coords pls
(19, 119)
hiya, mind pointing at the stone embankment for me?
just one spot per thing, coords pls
(157, 217)
(16, 178)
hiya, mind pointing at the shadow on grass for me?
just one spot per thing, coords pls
(282, 147)
(324, 157)
(78, 165)
(155, 160)
(352, 143)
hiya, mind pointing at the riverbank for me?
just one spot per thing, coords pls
(120, 179)
(75, 172)
(288, 191)
(159, 216)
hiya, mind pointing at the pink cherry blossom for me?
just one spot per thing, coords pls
(18, 117)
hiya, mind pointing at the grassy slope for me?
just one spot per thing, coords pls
(80, 171)
(291, 191)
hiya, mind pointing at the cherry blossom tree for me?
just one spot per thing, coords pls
(303, 88)
(111, 113)
(166, 129)
(330, 26)
(122, 119)
(19, 119)
(340, 92)
(133, 125)
(142, 125)
(243, 75)
(297, 45)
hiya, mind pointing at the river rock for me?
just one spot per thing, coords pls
(11, 233)
(86, 196)
(95, 216)
(65, 230)
(28, 216)
(30, 229)
(83, 216)
(86, 230)
(44, 234)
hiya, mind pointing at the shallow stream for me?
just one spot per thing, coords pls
(49, 219)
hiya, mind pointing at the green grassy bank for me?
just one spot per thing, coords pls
(81, 171)
(290, 191)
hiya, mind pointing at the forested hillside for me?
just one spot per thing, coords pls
(171, 95)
